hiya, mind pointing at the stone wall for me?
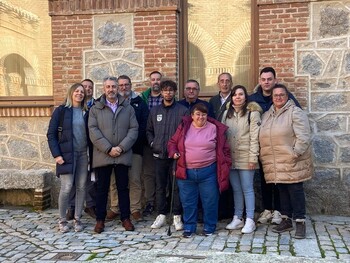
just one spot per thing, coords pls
(23, 146)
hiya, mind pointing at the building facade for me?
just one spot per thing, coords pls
(307, 42)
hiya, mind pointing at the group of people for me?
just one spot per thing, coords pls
(143, 149)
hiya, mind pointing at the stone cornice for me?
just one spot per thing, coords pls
(275, 2)
(19, 12)
(88, 7)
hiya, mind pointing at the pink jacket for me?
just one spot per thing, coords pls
(176, 144)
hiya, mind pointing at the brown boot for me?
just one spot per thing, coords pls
(99, 227)
(90, 211)
(128, 225)
(285, 225)
(136, 216)
(111, 215)
(300, 231)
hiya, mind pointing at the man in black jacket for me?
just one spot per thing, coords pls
(162, 123)
(219, 101)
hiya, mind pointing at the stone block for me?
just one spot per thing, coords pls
(22, 148)
(327, 193)
(323, 84)
(331, 123)
(326, 102)
(37, 182)
(343, 140)
(324, 149)
(344, 155)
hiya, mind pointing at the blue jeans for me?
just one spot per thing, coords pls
(102, 187)
(292, 199)
(78, 178)
(201, 182)
(242, 182)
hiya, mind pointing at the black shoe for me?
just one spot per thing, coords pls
(207, 233)
(285, 225)
(148, 210)
(300, 231)
(70, 213)
(187, 234)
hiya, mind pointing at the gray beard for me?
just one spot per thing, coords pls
(156, 88)
(125, 94)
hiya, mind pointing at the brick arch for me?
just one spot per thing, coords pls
(235, 43)
(203, 40)
(21, 81)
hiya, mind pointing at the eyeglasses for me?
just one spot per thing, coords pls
(279, 95)
(124, 85)
(191, 89)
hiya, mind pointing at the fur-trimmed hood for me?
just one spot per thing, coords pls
(252, 106)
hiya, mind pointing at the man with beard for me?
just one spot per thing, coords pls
(162, 123)
(152, 97)
(135, 171)
(113, 131)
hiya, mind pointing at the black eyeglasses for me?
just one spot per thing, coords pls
(124, 85)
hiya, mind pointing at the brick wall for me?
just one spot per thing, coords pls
(155, 29)
(280, 25)
(156, 34)
(70, 36)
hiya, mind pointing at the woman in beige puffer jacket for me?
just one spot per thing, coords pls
(285, 153)
(243, 120)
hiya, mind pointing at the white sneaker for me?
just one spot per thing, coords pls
(249, 226)
(276, 218)
(178, 223)
(78, 227)
(265, 216)
(63, 226)
(235, 224)
(159, 222)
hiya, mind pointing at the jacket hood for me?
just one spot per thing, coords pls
(253, 106)
(289, 103)
(257, 88)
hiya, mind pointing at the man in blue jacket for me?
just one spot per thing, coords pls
(269, 192)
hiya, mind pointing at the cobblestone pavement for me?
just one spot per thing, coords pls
(33, 237)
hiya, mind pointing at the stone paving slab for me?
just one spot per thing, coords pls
(34, 237)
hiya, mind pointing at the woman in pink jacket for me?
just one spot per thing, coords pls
(203, 164)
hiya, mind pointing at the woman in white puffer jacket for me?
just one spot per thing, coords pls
(243, 120)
